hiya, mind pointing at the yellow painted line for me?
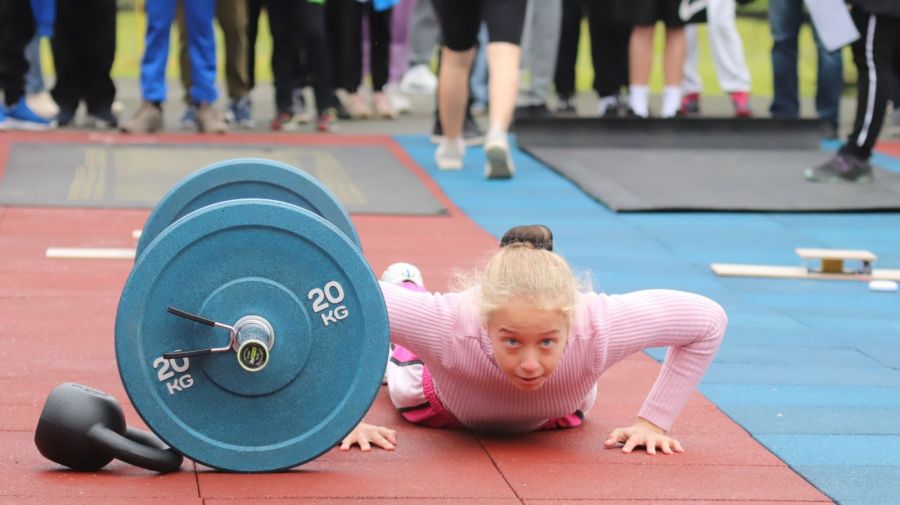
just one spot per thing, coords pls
(100, 253)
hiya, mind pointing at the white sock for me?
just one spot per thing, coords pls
(496, 133)
(639, 99)
(671, 101)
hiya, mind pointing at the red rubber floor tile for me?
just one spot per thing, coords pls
(27, 474)
(472, 477)
(372, 501)
(649, 481)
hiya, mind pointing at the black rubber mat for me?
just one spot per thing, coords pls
(699, 165)
(366, 179)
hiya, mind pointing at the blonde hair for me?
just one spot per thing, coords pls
(520, 270)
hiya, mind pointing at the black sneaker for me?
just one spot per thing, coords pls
(536, 111)
(65, 117)
(103, 120)
(472, 133)
(842, 168)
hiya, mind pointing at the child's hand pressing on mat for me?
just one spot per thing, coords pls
(643, 433)
(366, 434)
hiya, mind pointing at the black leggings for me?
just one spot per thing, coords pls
(344, 18)
(16, 30)
(609, 48)
(460, 21)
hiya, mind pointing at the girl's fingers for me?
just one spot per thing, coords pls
(388, 434)
(364, 444)
(665, 446)
(382, 442)
(650, 445)
(630, 444)
(677, 445)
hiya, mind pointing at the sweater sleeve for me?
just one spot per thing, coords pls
(420, 321)
(692, 326)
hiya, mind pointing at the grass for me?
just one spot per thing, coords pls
(754, 33)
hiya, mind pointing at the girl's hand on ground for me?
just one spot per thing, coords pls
(644, 433)
(366, 434)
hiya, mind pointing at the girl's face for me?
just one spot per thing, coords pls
(528, 342)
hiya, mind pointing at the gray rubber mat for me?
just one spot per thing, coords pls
(367, 179)
(653, 179)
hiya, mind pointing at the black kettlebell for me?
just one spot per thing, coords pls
(84, 429)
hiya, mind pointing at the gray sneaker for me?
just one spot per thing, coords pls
(209, 120)
(499, 163)
(842, 168)
(147, 119)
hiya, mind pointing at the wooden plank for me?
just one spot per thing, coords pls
(104, 253)
(788, 272)
(837, 254)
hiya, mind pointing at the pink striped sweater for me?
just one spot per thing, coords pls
(445, 331)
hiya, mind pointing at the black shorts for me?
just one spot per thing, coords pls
(648, 12)
(460, 21)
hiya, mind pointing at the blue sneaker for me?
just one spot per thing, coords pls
(239, 113)
(20, 117)
(2, 117)
(188, 120)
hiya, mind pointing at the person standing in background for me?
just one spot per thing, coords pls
(84, 47)
(728, 59)
(232, 18)
(540, 45)
(645, 14)
(460, 22)
(785, 18)
(20, 20)
(875, 54)
(345, 27)
(202, 50)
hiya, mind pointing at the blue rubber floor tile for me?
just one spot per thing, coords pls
(887, 355)
(788, 356)
(838, 450)
(761, 319)
(800, 374)
(861, 485)
(801, 396)
(853, 325)
(794, 337)
(763, 420)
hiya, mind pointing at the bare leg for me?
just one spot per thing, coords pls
(503, 69)
(640, 62)
(640, 54)
(673, 58)
(453, 90)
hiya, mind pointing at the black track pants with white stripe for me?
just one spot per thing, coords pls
(875, 53)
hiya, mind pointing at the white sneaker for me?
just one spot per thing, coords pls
(400, 103)
(399, 273)
(450, 153)
(499, 164)
(419, 80)
(42, 104)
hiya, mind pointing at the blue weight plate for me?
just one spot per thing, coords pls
(268, 259)
(245, 178)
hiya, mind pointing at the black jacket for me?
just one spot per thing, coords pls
(884, 7)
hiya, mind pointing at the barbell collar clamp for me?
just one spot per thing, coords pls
(232, 339)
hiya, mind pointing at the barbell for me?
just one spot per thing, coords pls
(251, 334)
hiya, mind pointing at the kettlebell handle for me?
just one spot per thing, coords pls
(136, 447)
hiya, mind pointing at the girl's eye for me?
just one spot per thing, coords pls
(512, 342)
(546, 342)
